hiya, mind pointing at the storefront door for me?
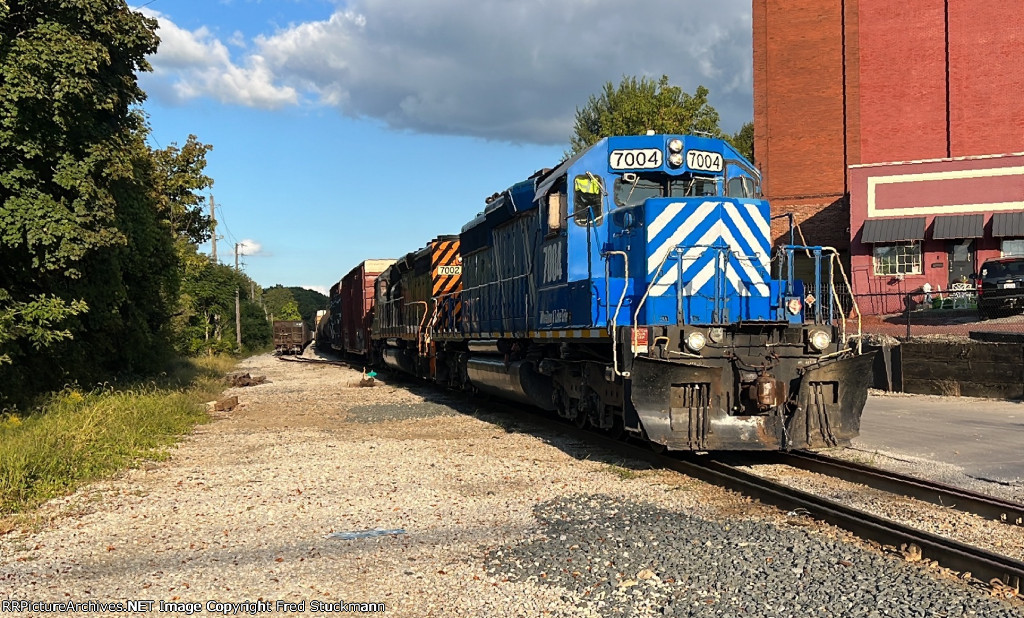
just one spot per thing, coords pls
(961, 260)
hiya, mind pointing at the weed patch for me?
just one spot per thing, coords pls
(75, 437)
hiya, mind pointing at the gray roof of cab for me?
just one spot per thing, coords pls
(545, 183)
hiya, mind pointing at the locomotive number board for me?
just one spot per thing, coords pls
(635, 159)
(449, 271)
(703, 161)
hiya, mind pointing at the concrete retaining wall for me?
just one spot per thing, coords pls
(970, 369)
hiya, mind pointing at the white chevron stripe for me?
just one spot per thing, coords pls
(763, 226)
(664, 219)
(701, 279)
(718, 230)
(685, 228)
(747, 233)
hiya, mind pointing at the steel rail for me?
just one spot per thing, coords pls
(920, 489)
(988, 567)
(983, 565)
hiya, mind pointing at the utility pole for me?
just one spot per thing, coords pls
(238, 306)
(238, 321)
(213, 225)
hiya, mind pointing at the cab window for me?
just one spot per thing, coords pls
(694, 186)
(636, 192)
(587, 193)
(741, 186)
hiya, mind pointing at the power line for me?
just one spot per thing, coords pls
(222, 220)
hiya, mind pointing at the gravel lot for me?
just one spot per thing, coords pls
(500, 517)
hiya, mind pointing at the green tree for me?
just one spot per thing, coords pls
(179, 180)
(288, 311)
(743, 140)
(308, 301)
(276, 298)
(82, 253)
(205, 319)
(256, 330)
(639, 105)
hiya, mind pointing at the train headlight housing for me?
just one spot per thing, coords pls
(695, 341)
(716, 334)
(675, 145)
(819, 340)
(675, 159)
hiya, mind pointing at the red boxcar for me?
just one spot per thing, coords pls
(357, 306)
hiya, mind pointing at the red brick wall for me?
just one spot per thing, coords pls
(986, 76)
(902, 80)
(798, 113)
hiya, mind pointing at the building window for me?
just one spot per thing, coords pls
(1013, 248)
(898, 259)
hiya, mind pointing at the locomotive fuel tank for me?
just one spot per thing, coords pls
(517, 381)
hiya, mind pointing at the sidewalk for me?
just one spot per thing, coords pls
(984, 437)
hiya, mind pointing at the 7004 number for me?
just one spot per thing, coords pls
(703, 160)
(637, 158)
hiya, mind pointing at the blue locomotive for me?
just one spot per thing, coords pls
(631, 288)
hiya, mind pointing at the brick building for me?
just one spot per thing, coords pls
(894, 132)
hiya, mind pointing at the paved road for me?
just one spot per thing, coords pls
(984, 436)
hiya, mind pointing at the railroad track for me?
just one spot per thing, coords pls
(920, 489)
(313, 361)
(1004, 574)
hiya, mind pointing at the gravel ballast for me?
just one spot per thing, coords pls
(486, 514)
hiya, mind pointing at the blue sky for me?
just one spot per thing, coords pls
(362, 129)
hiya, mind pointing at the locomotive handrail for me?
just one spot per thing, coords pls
(497, 282)
(640, 305)
(833, 260)
(421, 342)
(622, 299)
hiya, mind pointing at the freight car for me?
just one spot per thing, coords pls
(631, 288)
(356, 306)
(324, 333)
(291, 337)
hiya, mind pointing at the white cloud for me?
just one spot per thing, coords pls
(250, 247)
(323, 289)
(190, 64)
(497, 69)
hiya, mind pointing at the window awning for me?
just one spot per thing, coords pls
(1008, 224)
(893, 230)
(959, 226)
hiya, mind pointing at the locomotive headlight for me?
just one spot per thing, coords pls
(675, 145)
(716, 334)
(675, 159)
(695, 341)
(819, 340)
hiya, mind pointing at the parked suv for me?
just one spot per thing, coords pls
(1000, 287)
